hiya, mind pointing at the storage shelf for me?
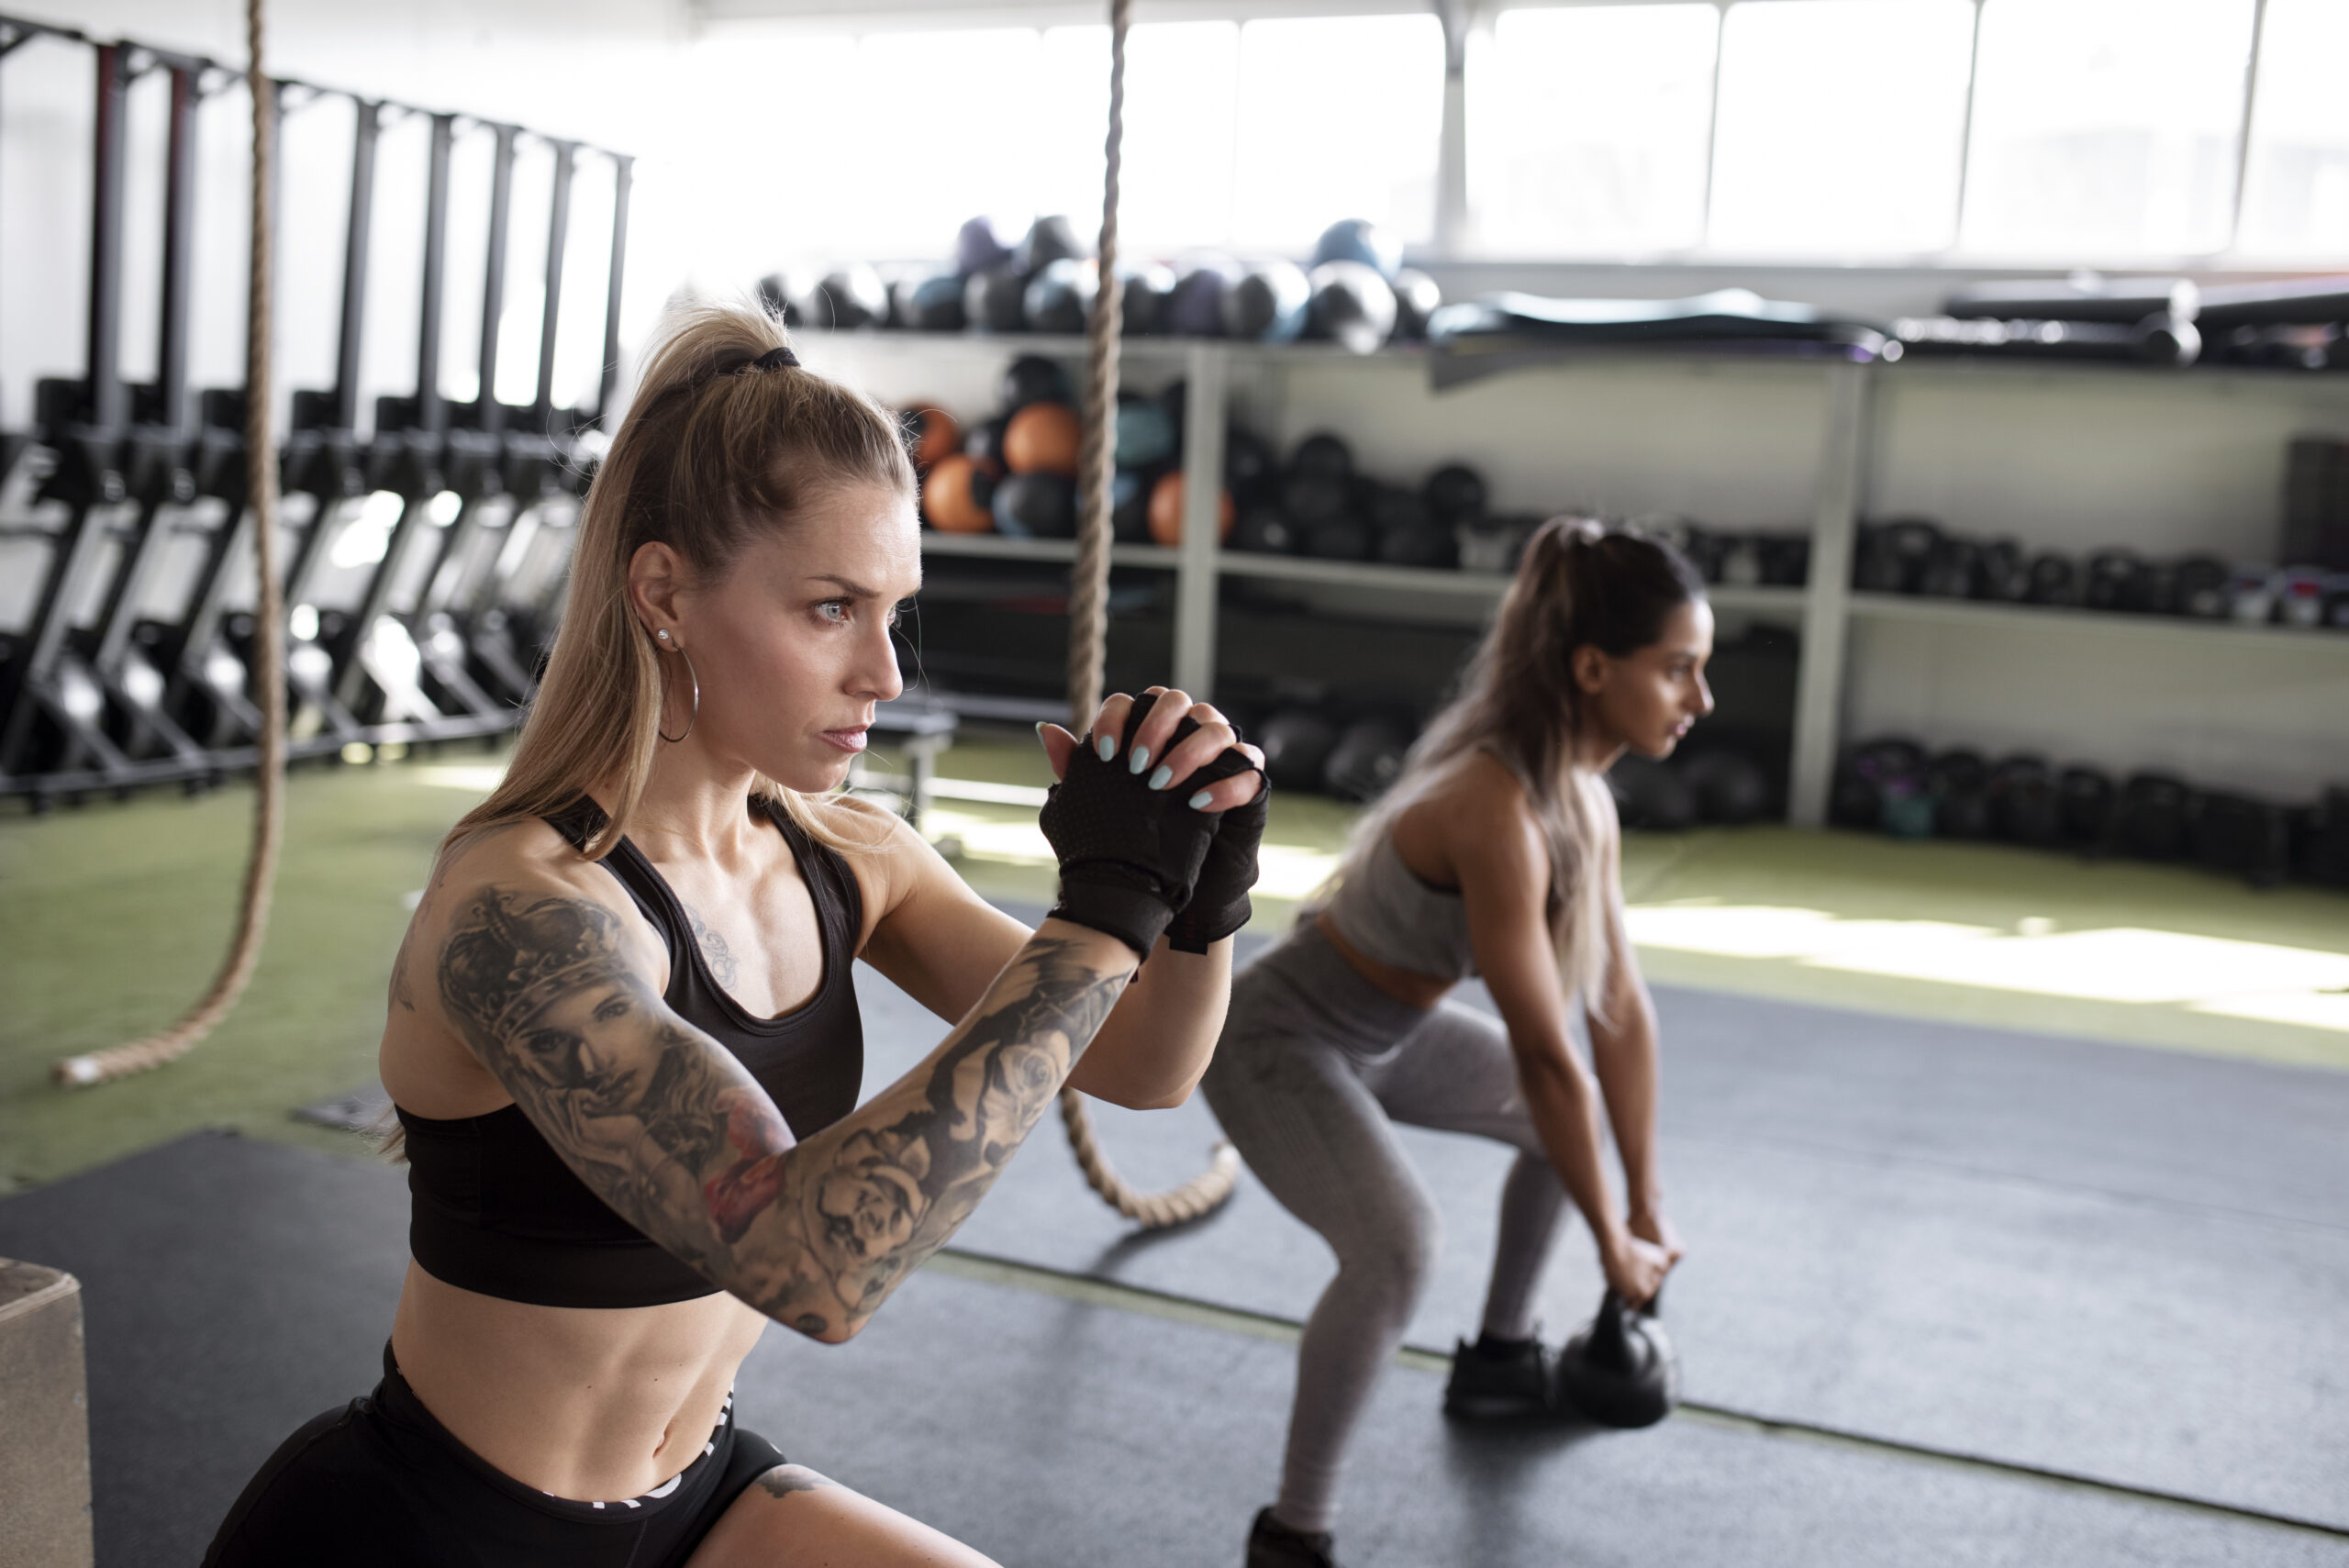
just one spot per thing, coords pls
(1825, 609)
(1155, 349)
(1307, 569)
(1360, 575)
(1464, 584)
(2095, 623)
(999, 547)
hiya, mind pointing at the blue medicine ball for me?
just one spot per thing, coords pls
(1359, 239)
(1145, 434)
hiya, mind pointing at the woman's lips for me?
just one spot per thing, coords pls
(847, 739)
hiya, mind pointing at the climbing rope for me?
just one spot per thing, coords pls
(1089, 635)
(269, 647)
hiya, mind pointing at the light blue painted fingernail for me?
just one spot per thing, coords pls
(1200, 801)
(1162, 778)
(1106, 746)
(1141, 759)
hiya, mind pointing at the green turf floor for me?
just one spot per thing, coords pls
(113, 915)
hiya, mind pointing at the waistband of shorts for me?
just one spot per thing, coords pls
(398, 1404)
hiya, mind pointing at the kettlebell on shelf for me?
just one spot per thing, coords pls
(1621, 1370)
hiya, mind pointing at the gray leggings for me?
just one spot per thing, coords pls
(1314, 1066)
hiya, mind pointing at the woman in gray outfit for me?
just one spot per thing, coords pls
(1497, 853)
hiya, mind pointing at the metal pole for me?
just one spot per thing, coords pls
(1452, 147)
(557, 232)
(368, 127)
(109, 401)
(179, 252)
(493, 288)
(1826, 616)
(623, 169)
(1965, 126)
(1713, 126)
(2243, 128)
(431, 412)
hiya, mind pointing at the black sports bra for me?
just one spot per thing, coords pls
(493, 1209)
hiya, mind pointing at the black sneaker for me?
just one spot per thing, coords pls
(1511, 1383)
(1271, 1544)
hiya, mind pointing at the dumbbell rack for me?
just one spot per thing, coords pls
(1825, 610)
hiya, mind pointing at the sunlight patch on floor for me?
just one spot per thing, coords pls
(2128, 964)
(478, 779)
(1284, 870)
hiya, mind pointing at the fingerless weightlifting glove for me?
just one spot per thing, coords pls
(1130, 855)
(1219, 905)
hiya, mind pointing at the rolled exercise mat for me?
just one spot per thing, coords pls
(1501, 330)
(44, 1420)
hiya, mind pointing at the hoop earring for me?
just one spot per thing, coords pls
(693, 675)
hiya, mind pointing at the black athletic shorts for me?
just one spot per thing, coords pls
(380, 1483)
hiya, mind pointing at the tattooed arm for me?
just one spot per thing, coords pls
(553, 995)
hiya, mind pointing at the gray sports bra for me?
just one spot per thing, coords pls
(1386, 913)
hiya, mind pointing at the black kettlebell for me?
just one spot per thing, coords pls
(1323, 456)
(995, 300)
(1031, 378)
(1649, 795)
(1296, 743)
(1619, 1371)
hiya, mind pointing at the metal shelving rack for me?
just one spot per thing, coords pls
(1824, 609)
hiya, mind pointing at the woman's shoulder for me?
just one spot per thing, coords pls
(1476, 793)
(860, 825)
(512, 866)
(1470, 813)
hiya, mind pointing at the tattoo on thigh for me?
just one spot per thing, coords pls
(785, 1479)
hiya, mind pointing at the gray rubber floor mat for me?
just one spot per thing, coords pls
(2116, 1263)
(236, 1288)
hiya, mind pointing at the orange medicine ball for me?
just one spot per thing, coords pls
(1041, 439)
(947, 498)
(936, 435)
(1166, 511)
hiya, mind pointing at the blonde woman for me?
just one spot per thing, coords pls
(622, 1039)
(1495, 853)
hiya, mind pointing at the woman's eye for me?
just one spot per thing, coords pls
(835, 611)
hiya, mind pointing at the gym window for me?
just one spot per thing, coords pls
(2034, 131)
(1589, 128)
(1338, 116)
(1840, 126)
(1832, 130)
(2296, 178)
(2107, 127)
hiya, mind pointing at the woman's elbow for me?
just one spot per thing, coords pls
(825, 1330)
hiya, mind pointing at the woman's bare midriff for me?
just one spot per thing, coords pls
(590, 1402)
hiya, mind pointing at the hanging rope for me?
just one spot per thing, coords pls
(268, 675)
(1088, 635)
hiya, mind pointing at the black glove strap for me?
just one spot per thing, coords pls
(1219, 905)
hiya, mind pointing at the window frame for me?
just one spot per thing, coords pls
(1468, 25)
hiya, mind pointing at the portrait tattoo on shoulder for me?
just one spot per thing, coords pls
(674, 1134)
